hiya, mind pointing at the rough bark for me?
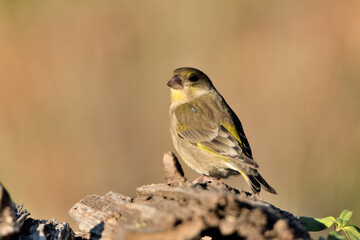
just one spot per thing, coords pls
(8, 225)
(14, 223)
(176, 209)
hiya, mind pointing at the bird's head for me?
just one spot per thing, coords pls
(188, 83)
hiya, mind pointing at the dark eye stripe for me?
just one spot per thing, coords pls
(193, 78)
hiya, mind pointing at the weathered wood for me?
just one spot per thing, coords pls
(174, 174)
(14, 223)
(178, 209)
(46, 229)
(8, 226)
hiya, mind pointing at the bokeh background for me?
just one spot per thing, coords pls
(84, 102)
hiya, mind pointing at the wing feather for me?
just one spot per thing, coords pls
(203, 124)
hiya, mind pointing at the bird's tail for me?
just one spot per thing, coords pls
(253, 178)
(256, 182)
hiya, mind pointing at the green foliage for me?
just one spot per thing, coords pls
(317, 224)
(334, 235)
(352, 232)
(340, 224)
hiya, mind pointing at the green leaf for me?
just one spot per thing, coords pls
(352, 232)
(321, 238)
(333, 235)
(317, 224)
(345, 217)
(343, 213)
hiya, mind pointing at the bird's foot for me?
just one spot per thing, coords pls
(198, 180)
(209, 179)
(204, 179)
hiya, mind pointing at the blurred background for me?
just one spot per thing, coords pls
(84, 102)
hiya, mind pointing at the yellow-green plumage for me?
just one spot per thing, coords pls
(207, 133)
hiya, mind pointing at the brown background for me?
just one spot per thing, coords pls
(84, 102)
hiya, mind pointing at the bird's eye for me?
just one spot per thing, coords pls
(193, 78)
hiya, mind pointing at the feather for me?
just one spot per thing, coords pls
(202, 123)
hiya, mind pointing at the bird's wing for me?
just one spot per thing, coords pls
(239, 133)
(203, 124)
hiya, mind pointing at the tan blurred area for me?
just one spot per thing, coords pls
(84, 102)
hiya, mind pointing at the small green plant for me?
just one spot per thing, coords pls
(340, 224)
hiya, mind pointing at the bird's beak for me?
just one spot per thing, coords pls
(175, 83)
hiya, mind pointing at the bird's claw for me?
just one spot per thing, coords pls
(204, 179)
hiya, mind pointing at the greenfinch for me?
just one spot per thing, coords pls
(206, 132)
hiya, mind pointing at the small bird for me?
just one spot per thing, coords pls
(207, 133)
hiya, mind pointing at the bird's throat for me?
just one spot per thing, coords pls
(177, 95)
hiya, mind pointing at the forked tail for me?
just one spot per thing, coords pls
(253, 178)
(257, 182)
